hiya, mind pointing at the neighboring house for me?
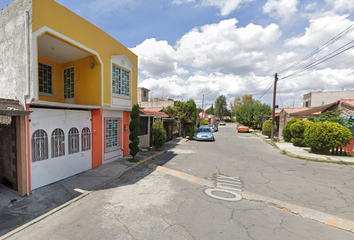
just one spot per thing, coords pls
(152, 109)
(346, 105)
(314, 99)
(203, 115)
(147, 119)
(144, 102)
(67, 88)
(287, 114)
(143, 95)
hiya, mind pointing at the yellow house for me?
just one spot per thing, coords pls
(78, 85)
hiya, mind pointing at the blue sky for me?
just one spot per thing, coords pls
(231, 47)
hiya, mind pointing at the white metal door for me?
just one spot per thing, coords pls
(60, 145)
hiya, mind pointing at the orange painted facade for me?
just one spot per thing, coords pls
(126, 120)
(96, 137)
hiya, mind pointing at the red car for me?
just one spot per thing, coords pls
(242, 128)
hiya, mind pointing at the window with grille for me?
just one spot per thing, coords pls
(39, 145)
(144, 125)
(73, 140)
(85, 139)
(113, 130)
(69, 83)
(58, 143)
(120, 81)
(45, 78)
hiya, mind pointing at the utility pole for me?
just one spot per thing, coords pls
(273, 113)
(203, 102)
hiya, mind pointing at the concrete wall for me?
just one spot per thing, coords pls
(164, 103)
(13, 80)
(141, 97)
(316, 99)
(8, 167)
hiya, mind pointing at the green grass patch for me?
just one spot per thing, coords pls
(283, 152)
(13, 201)
(133, 160)
(272, 143)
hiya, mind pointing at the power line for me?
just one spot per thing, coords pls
(266, 91)
(321, 60)
(333, 40)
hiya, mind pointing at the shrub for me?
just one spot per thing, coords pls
(286, 130)
(134, 127)
(267, 125)
(297, 130)
(204, 122)
(299, 142)
(158, 134)
(322, 136)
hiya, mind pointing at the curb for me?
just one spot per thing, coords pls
(85, 194)
(313, 159)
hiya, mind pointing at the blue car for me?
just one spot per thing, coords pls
(204, 134)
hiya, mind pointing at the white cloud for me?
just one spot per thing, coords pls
(226, 6)
(281, 9)
(321, 30)
(341, 6)
(195, 86)
(156, 58)
(311, 6)
(218, 47)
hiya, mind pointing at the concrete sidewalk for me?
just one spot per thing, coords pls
(18, 211)
(301, 152)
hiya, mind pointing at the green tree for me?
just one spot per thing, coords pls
(220, 107)
(134, 127)
(170, 111)
(210, 110)
(323, 136)
(245, 100)
(199, 110)
(333, 116)
(158, 134)
(187, 114)
(267, 127)
(252, 115)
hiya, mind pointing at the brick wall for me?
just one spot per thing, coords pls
(8, 168)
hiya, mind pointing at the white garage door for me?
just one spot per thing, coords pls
(60, 144)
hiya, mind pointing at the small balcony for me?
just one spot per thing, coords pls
(66, 73)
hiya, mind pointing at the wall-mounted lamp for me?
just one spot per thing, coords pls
(92, 65)
(125, 127)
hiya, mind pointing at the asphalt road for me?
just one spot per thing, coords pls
(283, 197)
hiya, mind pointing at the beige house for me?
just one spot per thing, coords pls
(314, 99)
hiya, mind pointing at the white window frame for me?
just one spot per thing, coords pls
(73, 140)
(113, 131)
(85, 139)
(120, 80)
(58, 143)
(39, 145)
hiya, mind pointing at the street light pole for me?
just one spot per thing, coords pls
(203, 102)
